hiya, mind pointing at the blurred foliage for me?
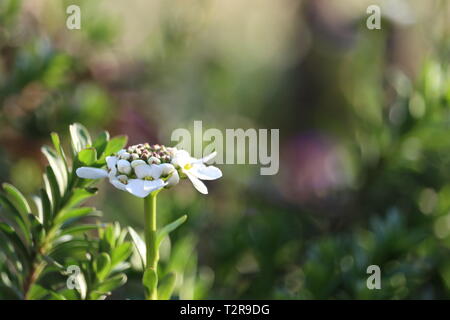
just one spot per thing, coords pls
(45, 239)
(363, 117)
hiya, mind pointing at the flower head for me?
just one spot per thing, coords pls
(141, 169)
(195, 169)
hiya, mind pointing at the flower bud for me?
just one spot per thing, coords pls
(156, 171)
(166, 169)
(173, 179)
(143, 170)
(111, 162)
(123, 178)
(153, 160)
(125, 156)
(124, 166)
(136, 163)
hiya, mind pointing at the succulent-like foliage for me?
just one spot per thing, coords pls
(43, 238)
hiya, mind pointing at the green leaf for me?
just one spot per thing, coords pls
(12, 236)
(101, 142)
(40, 210)
(68, 294)
(80, 137)
(37, 292)
(139, 244)
(87, 156)
(149, 280)
(58, 147)
(56, 142)
(73, 214)
(163, 232)
(53, 262)
(167, 286)
(10, 292)
(22, 222)
(56, 296)
(112, 283)
(78, 229)
(37, 229)
(115, 144)
(77, 196)
(102, 266)
(75, 249)
(121, 236)
(58, 168)
(117, 231)
(121, 253)
(46, 208)
(109, 236)
(17, 198)
(52, 188)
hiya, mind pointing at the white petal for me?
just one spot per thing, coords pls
(198, 184)
(154, 185)
(156, 171)
(181, 158)
(142, 188)
(124, 166)
(206, 172)
(111, 162)
(120, 152)
(136, 163)
(125, 156)
(112, 173)
(116, 183)
(208, 157)
(142, 171)
(173, 180)
(91, 173)
(166, 168)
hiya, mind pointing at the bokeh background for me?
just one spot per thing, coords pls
(364, 121)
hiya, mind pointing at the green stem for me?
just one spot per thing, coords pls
(150, 240)
(32, 278)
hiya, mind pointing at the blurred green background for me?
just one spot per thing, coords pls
(364, 121)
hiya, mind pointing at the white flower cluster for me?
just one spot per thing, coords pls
(143, 168)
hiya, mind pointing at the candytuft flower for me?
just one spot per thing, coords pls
(143, 168)
(195, 169)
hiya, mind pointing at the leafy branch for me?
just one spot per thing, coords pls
(44, 236)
